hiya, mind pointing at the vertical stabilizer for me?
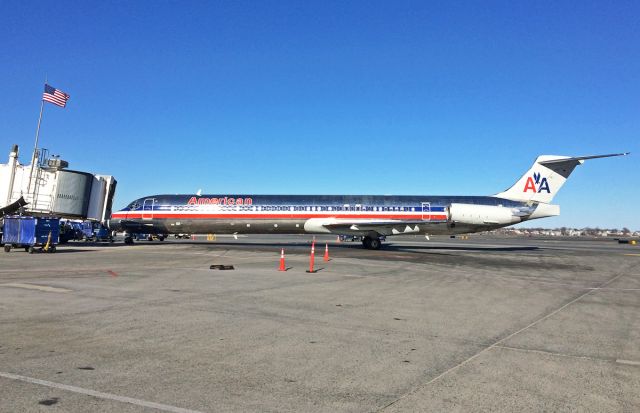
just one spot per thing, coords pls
(545, 178)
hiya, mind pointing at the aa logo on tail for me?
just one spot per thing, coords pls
(536, 184)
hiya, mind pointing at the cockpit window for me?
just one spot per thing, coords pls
(133, 206)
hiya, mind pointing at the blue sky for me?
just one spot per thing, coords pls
(332, 97)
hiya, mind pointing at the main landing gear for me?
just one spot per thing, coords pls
(372, 243)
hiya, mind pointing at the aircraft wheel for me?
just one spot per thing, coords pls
(7, 248)
(375, 243)
(31, 250)
(161, 237)
(52, 249)
(128, 241)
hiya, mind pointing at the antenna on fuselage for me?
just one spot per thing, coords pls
(199, 192)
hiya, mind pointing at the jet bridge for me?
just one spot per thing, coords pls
(47, 187)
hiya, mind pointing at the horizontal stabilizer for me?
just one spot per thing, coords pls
(545, 178)
(579, 159)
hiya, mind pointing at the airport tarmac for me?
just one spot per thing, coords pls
(484, 324)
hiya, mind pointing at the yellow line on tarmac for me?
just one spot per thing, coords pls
(632, 255)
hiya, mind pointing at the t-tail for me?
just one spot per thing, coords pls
(545, 178)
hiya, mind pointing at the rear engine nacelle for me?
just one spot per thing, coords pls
(482, 215)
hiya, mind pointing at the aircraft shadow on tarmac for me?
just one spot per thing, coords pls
(342, 246)
(63, 250)
(408, 248)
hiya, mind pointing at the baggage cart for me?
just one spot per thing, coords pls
(31, 233)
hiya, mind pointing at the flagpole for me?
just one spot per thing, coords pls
(35, 148)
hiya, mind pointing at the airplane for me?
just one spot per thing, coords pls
(372, 217)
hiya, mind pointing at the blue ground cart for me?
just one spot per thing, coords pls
(31, 233)
(101, 233)
(87, 230)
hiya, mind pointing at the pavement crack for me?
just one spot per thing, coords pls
(553, 353)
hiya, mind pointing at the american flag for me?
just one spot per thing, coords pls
(55, 96)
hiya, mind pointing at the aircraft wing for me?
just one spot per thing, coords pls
(366, 226)
(363, 226)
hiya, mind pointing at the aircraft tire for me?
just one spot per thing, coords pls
(128, 241)
(375, 244)
(366, 242)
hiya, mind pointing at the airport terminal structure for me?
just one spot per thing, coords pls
(48, 188)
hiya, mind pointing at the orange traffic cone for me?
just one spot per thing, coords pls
(312, 257)
(282, 267)
(326, 251)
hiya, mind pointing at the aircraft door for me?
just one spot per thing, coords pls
(147, 208)
(426, 211)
